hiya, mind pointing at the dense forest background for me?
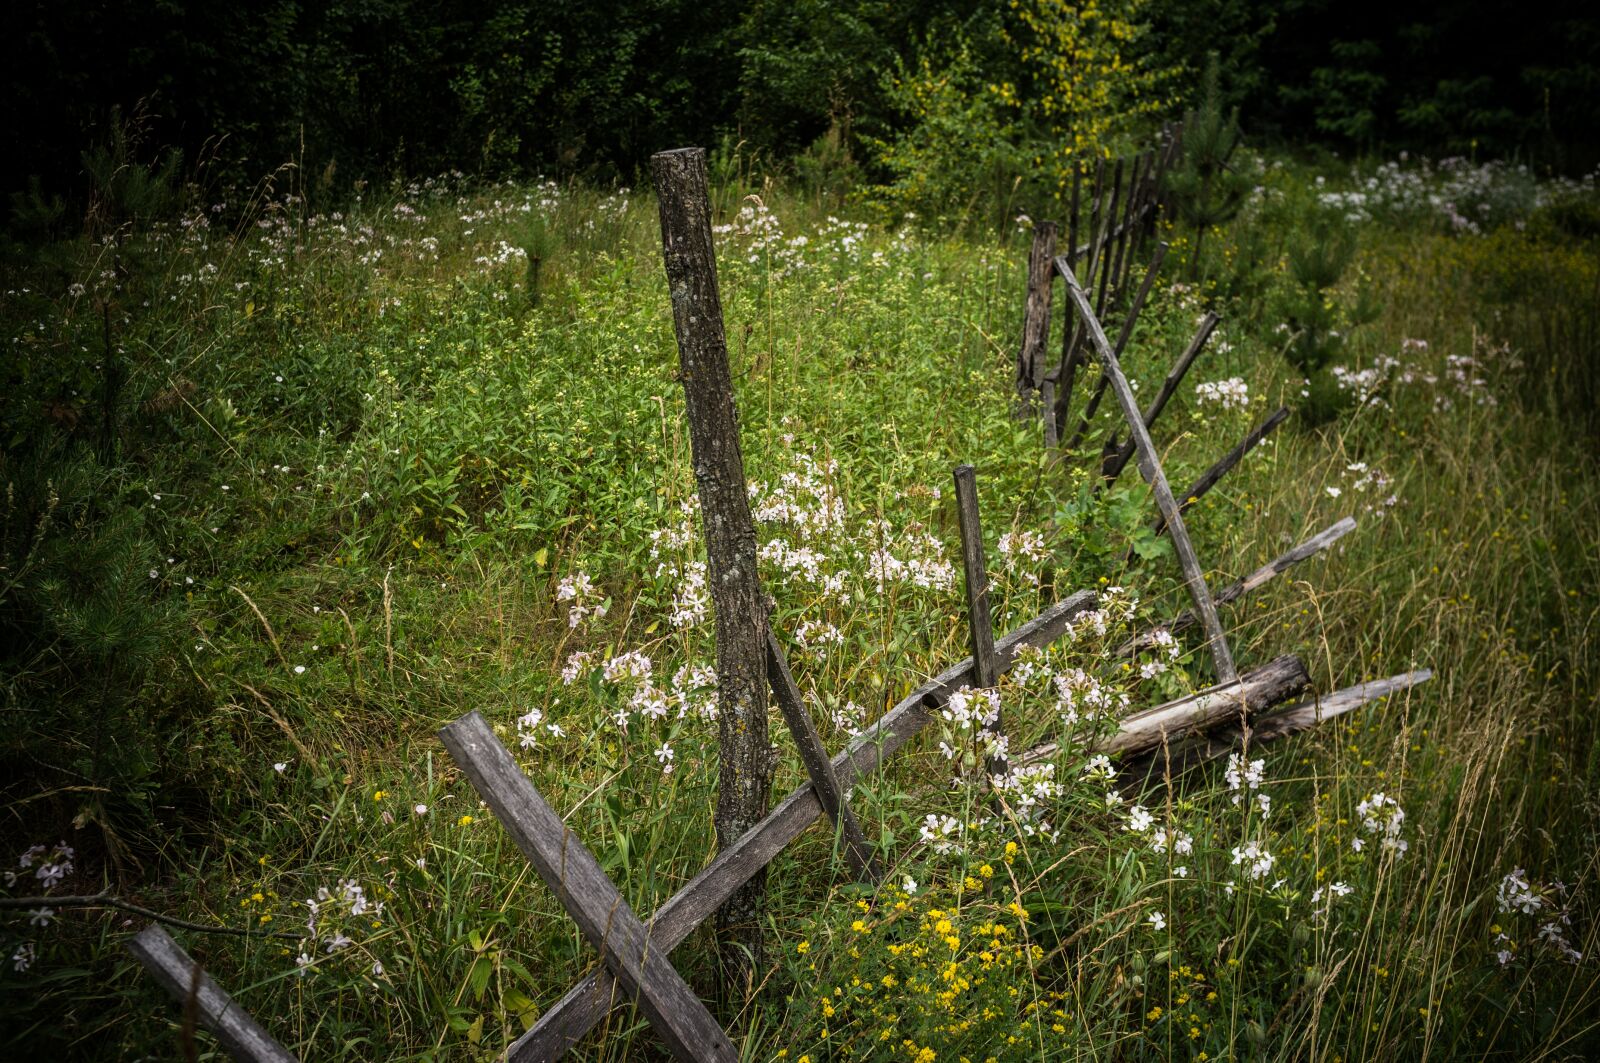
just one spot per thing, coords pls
(371, 89)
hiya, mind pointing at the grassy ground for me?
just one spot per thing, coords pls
(360, 461)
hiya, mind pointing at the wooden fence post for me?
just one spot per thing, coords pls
(744, 775)
(1036, 314)
(1150, 465)
(985, 668)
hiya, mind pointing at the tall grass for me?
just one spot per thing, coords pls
(378, 457)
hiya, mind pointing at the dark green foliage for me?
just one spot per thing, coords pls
(1206, 187)
(1319, 323)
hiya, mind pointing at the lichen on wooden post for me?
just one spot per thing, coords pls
(744, 775)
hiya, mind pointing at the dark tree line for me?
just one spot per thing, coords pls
(375, 88)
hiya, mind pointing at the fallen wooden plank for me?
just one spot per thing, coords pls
(1277, 566)
(1150, 467)
(240, 1035)
(633, 953)
(593, 997)
(1198, 749)
(980, 624)
(1272, 684)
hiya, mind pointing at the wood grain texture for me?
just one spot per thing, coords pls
(239, 1034)
(857, 850)
(1271, 684)
(1150, 466)
(1277, 566)
(593, 997)
(1036, 312)
(638, 963)
(744, 767)
(1199, 749)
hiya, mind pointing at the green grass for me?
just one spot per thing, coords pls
(376, 472)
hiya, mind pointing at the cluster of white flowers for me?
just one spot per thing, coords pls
(804, 499)
(1244, 778)
(1518, 895)
(49, 864)
(588, 604)
(1382, 817)
(1255, 859)
(1080, 695)
(1229, 394)
(818, 635)
(528, 731)
(691, 599)
(327, 916)
(922, 562)
(1166, 648)
(943, 833)
(1021, 552)
(1027, 790)
(971, 713)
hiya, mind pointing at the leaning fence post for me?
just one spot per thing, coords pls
(744, 774)
(1150, 466)
(985, 667)
(1036, 315)
(815, 758)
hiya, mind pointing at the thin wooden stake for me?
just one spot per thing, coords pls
(1150, 466)
(858, 851)
(1123, 335)
(241, 1036)
(1036, 313)
(1211, 476)
(1238, 589)
(1104, 279)
(979, 622)
(637, 962)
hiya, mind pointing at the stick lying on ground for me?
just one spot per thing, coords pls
(1272, 684)
(240, 1035)
(588, 1002)
(1302, 716)
(1314, 545)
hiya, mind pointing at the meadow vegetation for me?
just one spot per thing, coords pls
(286, 490)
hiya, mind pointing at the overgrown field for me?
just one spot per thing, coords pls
(287, 491)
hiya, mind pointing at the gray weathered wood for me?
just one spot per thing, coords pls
(744, 769)
(1150, 467)
(857, 850)
(1211, 476)
(1123, 335)
(1138, 733)
(1271, 684)
(588, 1002)
(1314, 545)
(1047, 409)
(979, 621)
(1036, 313)
(637, 962)
(240, 1035)
(1280, 723)
(1169, 387)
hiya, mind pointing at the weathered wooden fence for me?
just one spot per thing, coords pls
(634, 951)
